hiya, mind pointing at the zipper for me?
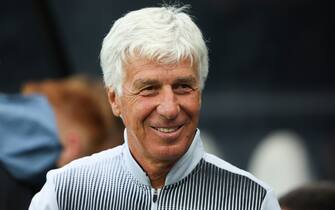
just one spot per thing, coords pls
(155, 196)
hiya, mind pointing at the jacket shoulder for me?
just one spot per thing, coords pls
(95, 161)
(233, 170)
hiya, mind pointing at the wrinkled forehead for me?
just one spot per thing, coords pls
(138, 61)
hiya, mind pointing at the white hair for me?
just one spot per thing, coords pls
(166, 35)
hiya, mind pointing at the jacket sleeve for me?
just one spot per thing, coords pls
(270, 202)
(45, 199)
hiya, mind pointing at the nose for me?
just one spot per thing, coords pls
(168, 106)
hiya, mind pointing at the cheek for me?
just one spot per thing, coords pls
(138, 110)
(144, 107)
(192, 105)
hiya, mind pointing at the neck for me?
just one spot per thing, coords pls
(157, 172)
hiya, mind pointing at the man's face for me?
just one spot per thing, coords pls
(160, 108)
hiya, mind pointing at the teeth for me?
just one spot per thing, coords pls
(167, 130)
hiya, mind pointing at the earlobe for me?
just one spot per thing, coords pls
(114, 102)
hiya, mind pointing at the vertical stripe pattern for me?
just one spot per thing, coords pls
(209, 188)
(108, 185)
(102, 186)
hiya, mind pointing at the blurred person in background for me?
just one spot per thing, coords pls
(85, 122)
(51, 124)
(29, 147)
(282, 160)
(312, 196)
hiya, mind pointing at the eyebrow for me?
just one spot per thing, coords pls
(186, 80)
(138, 84)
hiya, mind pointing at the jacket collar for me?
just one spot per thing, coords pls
(180, 170)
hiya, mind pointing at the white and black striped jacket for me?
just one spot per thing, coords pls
(113, 180)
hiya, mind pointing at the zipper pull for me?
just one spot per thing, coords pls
(154, 196)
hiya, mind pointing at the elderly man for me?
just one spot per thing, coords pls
(155, 65)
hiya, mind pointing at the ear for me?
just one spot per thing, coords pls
(74, 142)
(72, 148)
(114, 101)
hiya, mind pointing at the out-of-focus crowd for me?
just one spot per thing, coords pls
(49, 124)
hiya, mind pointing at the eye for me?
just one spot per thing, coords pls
(148, 90)
(182, 88)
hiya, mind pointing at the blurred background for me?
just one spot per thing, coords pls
(271, 68)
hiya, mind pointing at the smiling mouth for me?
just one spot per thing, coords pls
(167, 130)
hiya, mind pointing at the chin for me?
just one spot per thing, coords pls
(171, 153)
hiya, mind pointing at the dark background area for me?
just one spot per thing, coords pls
(271, 63)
